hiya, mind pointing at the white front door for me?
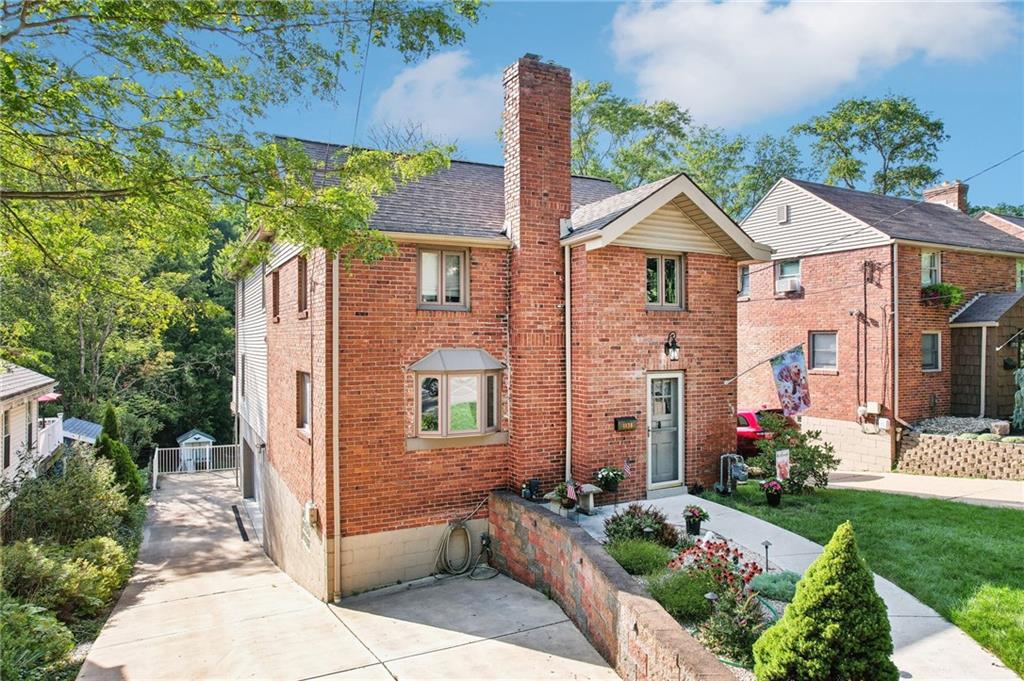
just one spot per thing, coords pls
(665, 433)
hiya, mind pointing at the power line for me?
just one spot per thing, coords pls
(362, 75)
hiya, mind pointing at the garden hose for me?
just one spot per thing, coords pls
(442, 561)
(766, 604)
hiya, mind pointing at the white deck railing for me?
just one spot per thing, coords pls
(51, 436)
(195, 459)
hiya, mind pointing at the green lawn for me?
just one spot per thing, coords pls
(965, 561)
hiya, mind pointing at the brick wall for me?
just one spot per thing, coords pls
(922, 393)
(537, 196)
(300, 462)
(632, 632)
(834, 285)
(938, 455)
(617, 342)
(384, 486)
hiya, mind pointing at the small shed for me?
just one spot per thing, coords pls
(80, 430)
(987, 346)
(196, 450)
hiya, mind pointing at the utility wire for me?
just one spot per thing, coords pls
(362, 75)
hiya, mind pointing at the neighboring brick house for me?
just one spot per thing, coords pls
(846, 280)
(380, 402)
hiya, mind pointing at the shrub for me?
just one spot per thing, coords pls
(84, 502)
(836, 626)
(719, 561)
(1014, 439)
(639, 557)
(811, 460)
(989, 437)
(74, 583)
(778, 586)
(31, 640)
(631, 522)
(126, 472)
(967, 436)
(111, 426)
(682, 594)
(735, 624)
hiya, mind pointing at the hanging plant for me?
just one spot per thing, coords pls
(948, 295)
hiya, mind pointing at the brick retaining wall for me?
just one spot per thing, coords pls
(939, 455)
(632, 632)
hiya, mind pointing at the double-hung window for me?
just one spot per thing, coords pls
(666, 281)
(743, 281)
(787, 276)
(463, 403)
(302, 297)
(7, 438)
(931, 268)
(824, 350)
(931, 351)
(29, 422)
(303, 400)
(443, 280)
(1020, 274)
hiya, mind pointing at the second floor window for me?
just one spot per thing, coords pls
(931, 268)
(443, 280)
(666, 281)
(275, 294)
(787, 276)
(743, 281)
(301, 284)
(1020, 275)
(931, 358)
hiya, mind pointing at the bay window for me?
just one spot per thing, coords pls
(458, 392)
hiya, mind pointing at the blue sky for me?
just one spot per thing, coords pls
(750, 68)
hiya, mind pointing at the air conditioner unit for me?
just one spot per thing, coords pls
(791, 285)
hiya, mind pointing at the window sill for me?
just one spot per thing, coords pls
(303, 315)
(665, 308)
(792, 295)
(416, 444)
(932, 371)
(742, 299)
(442, 308)
(305, 435)
(823, 372)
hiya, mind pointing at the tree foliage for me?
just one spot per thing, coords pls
(890, 134)
(1016, 209)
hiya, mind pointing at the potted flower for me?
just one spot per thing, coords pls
(609, 477)
(694, 515)
(562, 495)
(773, 491)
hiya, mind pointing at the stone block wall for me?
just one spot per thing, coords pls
(940, 455)
(637, 637)
(857, 450)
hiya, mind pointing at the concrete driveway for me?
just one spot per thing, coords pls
(205, 604)
(1009, 493)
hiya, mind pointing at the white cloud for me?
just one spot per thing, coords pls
(732, 63)
(447, 101)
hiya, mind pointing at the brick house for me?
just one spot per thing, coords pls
(1008, 224)
(377, 403)
(847, 280)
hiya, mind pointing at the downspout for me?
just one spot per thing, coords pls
(335, 447)
(984, 368)
(568, 364)
(896, 332)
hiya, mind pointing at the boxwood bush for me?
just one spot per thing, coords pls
(778, 586)
(682, 594)
(31, 640)
(631, 522)
(639, 557)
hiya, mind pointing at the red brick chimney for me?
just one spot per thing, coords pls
(952, 194)
(536, 131)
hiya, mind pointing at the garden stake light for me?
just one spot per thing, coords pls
(766, 544)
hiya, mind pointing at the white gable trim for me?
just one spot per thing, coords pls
(1001, 219)
(663, 196)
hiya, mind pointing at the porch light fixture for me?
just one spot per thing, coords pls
(672, 347)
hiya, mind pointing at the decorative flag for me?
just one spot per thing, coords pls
(627, 469)
(790, 372)
(782, 464)
(570, 490)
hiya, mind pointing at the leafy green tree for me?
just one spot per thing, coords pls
(110, 425)
(891, 134)
(1000, 209)
(835, 628)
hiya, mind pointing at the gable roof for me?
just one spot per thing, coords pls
(986, 308)
(194, 432)
(17, 380)
(464, 200)
(1014, 220)
(910, 220)
(82, 429)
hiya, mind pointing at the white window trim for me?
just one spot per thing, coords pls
(938, 352)
(443, 417)
(742, 292)
(464, 257)
(303, 401)
(1019, 271)
(660, 304)
(810, 343)
(938, 267)
(779, 278)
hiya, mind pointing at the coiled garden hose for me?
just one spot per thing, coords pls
(442, 561)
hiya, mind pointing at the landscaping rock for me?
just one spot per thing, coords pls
(1000, 428)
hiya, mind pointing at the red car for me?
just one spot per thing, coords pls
(749, 431)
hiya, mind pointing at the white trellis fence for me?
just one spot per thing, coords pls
(195, 459)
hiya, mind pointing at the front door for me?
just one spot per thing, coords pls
(664, 430)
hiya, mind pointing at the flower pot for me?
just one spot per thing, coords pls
(693, 526)
(774, 498)
(610, 486)
(568, 503)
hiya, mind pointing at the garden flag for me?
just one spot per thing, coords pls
(790, 372)
(570, 490)
(627, 469)
(782, 464)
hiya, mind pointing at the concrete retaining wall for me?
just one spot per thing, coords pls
(940, 455)
(631, 631)
(857, 450)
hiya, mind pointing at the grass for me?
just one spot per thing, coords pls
(964, 561)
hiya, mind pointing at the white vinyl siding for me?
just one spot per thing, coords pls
(668, 229)
(812, 225)
(16, 422)
(251, 342)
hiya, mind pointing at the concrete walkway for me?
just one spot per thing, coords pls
(205, 604)
(978, 491)
(926, 645)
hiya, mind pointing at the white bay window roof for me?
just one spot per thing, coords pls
(457, 359)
